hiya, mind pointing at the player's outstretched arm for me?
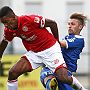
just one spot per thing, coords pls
(3, 45)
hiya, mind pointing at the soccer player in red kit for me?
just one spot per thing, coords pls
(43, 47)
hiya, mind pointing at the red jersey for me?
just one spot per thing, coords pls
(31, 30)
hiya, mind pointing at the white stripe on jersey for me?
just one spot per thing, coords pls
(42, 22)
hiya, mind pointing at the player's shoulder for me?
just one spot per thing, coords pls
(24, 18)
(75, 36)
(80, 39)
(79, 36)
(29, 17)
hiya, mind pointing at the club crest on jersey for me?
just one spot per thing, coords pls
(25, 28)
(56, 61)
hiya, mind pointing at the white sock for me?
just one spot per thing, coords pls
(12, 85)
(77, 84)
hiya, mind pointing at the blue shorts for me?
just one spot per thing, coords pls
(46, 72)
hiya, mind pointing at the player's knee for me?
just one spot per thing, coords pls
(63, 75)
(66, 79)
(12, 75)
(63, 78)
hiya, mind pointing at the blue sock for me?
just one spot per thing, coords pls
(47, 84)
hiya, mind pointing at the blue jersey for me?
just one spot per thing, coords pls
(71, 53)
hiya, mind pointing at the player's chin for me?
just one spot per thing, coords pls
(70, 32)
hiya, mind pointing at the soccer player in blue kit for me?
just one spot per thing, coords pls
(71, 47)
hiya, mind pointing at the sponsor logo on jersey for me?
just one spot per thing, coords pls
(14, 34)
(71, 39)
(31, 38)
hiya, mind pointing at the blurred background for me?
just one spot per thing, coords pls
(59, 11)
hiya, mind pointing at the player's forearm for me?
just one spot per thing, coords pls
(3, 46)
(54, 30)
(53, 26)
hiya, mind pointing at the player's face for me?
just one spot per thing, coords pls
(74, 26)
(9, 22)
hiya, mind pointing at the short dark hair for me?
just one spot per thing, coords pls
(80, 17)
(4, 11)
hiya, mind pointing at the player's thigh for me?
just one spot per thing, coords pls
(21, 66)
(63, 86)
(34, 59)
(61, 72)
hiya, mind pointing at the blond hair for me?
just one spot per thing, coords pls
(80, 17)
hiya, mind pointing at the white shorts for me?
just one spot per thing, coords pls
(51, 57)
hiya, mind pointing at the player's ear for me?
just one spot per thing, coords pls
(81, 27)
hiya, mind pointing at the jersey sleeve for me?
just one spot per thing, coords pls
(8, 35)
(38, 21)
